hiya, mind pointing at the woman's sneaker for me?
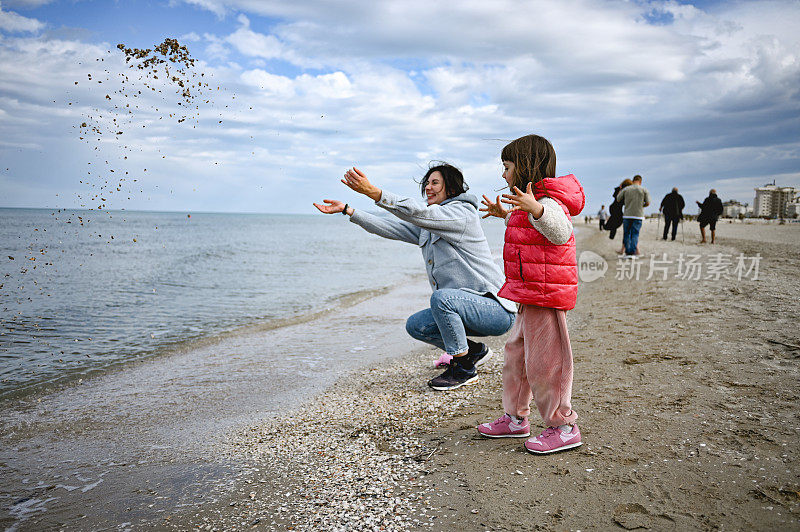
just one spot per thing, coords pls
(505, 427)
(455, 376)
(553, 439)
(481, 356)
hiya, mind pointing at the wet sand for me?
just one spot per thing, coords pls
(687, 392)
(139, 444)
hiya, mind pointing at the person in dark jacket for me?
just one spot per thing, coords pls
(710, 210)
(615, 211)
(672, 207)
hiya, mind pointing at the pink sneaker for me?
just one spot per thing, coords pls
(443, 361)
(505, 428)
(553, 440)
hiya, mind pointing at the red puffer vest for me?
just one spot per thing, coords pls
(539, 272)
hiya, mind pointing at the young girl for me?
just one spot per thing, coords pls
(542, 277)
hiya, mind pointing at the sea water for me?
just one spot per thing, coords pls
(189, 326)
(109, 288)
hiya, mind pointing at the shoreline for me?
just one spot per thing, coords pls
(165, 280)
(68, 379)
(135, 444)
(671, 381)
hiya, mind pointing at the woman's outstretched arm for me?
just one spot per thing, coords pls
(356, 180)
(333, 207)
(447, 221)
(384, 227)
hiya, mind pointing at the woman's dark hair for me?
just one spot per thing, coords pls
(453, 179)
(534, 159)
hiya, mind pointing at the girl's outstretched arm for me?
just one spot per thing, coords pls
(554, 224)
(525, 201)
(493, 209)
(546, 216)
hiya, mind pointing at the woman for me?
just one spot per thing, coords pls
(615, 209)
(464, 277)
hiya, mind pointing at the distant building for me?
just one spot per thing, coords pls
(771, 200)
(793, 210)
(732, 209)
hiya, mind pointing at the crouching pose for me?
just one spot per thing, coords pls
(462, 274)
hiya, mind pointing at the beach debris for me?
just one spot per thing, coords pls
(152, 84)
(793, 346)
(165, 82)
(425, 454)
(146, 88)
(362, 468)
(633, 360)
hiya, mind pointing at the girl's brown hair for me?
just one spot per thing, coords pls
(534, 159)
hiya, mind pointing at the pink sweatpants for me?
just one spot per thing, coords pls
(538, 365)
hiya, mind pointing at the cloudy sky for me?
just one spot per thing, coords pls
(690, 95)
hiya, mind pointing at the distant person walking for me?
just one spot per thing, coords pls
(602, 216)
(634, 199)
(614, 220)
(710, 210)
(672, 208)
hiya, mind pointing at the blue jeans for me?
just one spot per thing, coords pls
(630, 234)
(456, 314)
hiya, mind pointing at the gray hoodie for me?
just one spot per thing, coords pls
(450, 236)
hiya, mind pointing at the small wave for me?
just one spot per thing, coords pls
(70, 376)
(336, 303)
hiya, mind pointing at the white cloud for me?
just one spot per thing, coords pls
(190, 37)
(327, 86)
(218, 8)
(708, 98)
(14, 23)
(216, 49)
(269, 83)
(248, 42)
(254, 44)
(582, 35)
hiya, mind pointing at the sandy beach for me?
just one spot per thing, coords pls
(686, 386)
(687, 392)
(221, 223)
(128, 447)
